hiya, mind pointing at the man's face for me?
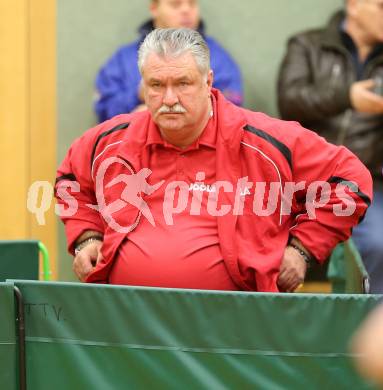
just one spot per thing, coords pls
(175, 13)
(176, 83)
(368, 15)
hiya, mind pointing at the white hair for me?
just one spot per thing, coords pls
(175, 42)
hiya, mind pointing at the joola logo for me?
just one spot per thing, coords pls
(212, 188)
(202, 187)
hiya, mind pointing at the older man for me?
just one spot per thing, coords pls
(331, 81)
(118, 81)
(199, 193)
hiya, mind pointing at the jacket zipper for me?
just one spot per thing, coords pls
(335, 72)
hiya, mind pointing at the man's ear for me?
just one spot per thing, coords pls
(141, 90)
(210, 79)
(153, 8)
(352, 7)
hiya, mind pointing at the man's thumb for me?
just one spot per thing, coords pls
(99, 256)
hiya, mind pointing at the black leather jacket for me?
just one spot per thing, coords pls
(313, 88)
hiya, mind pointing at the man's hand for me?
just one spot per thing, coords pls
(293, 270)
(86, 259)
(363, 99)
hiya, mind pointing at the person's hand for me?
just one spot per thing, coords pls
(293, 270)
(363, 99)
(367, 344)
(86, 259)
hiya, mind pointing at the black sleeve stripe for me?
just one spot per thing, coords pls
(278, 144)
(361, 218)
(352, 186)
(122, 126)
(68, 176)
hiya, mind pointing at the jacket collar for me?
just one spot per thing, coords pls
(230, 121)
(331, 36)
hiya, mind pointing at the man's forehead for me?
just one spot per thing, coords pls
(157, 63)
(175, 2)
(370, 2)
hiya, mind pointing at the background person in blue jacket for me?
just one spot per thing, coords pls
(118, 81)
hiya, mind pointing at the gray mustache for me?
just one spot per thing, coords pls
(177, 108)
